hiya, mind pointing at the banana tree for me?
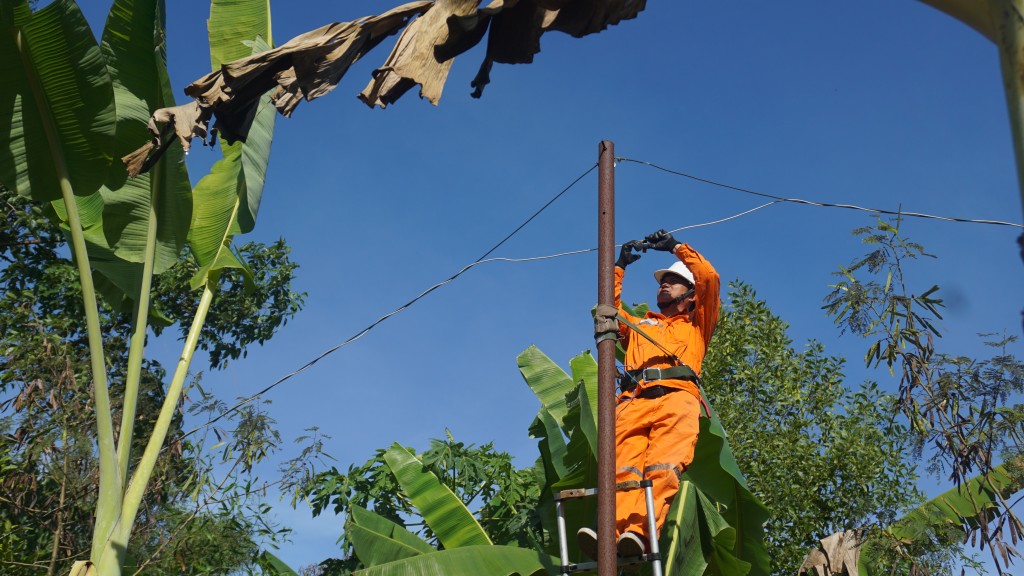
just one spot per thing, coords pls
(70, 106)
(714, 525)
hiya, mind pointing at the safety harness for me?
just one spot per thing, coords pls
(606, 327)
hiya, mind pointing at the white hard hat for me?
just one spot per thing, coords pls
(678, 269)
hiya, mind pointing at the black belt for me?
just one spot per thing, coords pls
(656, 392)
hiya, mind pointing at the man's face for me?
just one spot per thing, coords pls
(672, 286)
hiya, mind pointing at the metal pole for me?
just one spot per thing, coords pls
(606, 557)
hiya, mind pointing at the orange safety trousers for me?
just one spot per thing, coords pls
(654, 440)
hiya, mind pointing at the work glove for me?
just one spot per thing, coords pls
(661, 240)
(626, 256)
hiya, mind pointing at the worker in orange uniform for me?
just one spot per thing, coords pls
(656, 419)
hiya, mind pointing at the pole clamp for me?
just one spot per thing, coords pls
(606, 325)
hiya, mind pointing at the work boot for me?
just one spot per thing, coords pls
(586, 538)
(631, 544)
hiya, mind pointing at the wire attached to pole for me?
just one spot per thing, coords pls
(483, 259)
(373, 325)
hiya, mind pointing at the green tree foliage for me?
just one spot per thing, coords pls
(957, 409)
(822, 455)
(819, 454)
(47, 426)
(483, 479)
(714, 526)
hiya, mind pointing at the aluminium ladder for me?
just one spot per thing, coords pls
(654, 556)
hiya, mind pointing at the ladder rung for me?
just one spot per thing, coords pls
(585, 492)
(575, 493)
(654, 557)
(620, 561)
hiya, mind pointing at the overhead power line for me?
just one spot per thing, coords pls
(483, 259)
(364, 331)
(819, 204)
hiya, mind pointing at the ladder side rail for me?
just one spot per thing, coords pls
(652, 528)
(563, 547)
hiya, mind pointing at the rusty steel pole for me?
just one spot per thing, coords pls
(606, 556)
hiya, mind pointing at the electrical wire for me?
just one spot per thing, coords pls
(475, 263)
(692, 226)
(483, 259)
(819, 204)
(364, 331)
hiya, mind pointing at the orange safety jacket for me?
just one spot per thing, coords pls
(686, 335)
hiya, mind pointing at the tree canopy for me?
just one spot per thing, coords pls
(820, 453)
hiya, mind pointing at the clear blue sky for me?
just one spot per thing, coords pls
(878, 103)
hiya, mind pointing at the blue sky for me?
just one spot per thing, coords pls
(876, 103)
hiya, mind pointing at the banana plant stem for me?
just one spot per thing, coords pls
(140, 478)
(140, 320)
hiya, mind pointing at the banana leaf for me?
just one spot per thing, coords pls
(274, 566)
(227, 199)
(452, 523)
(962, 505)
(547, 469)
(549, 382)
(714, 473)
(564, 466)
(551, 443)
(551, 385)
(232, 27)
(956, 507)
(584, 369)
(117, 280)
(128, 78)
(580, 459)
(232, 24)
(57, 105)
(215, 221)
(475, 560)
(135, 52)
(682, 538)
(697, 539)
(580, 425)
(377, 540)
